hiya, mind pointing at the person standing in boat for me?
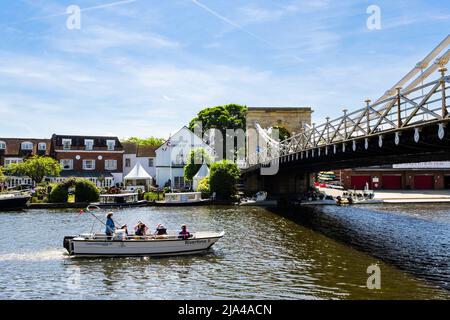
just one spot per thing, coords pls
(110, 225)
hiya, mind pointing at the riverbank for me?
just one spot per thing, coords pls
(413, 196)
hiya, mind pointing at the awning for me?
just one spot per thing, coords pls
(137, 173)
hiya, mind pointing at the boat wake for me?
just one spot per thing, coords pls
(45, 255)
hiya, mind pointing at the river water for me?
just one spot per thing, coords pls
(290, 254)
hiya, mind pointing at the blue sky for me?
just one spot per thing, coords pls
(146, 67)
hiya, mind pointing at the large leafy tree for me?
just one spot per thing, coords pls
(196, 158)
(222, 179)
(231, 116)
(150, 141)
(36, 168)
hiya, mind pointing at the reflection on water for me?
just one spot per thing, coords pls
(415, 238)
(262, 256)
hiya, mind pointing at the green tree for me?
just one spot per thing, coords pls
(231, 116)
(36, 168)
(283, 133)
(196, 158)
(222, 179)
(150, 141)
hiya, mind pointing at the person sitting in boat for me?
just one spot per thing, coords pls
(125, 228)
(110, 226)
(140, 229)
(160, 230)
(184, 234)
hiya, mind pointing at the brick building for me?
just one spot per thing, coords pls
(15, 150)
(98, 159)
(418, 176)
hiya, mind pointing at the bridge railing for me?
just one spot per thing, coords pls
(405, 109)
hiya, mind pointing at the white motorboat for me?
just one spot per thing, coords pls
(182, 199)
(89, 245)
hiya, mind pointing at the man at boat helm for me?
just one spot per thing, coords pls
(110, 226)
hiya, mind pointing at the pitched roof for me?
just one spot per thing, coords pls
(78, 141)
(130, 147)
(146, 151)
(13, 146)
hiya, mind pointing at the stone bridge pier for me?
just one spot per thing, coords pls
(286, 182)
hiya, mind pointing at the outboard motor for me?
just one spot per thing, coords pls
(67, 243)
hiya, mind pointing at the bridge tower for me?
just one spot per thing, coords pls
(291, 118)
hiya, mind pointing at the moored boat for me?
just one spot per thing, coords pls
(120, 200)
(182, 199)
(13, 201)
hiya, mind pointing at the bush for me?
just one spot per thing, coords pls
(204, 187)
(153, 196)
(59, 194)
(223, 178)
(86, 191)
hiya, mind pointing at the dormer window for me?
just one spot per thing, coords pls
(89, 144)
(111, 144)
(42, 146)
(26, 145)
(2, 145)
(67, 143)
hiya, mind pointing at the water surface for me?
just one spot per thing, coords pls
(262, 256)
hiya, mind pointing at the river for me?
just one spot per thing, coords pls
(291, 254)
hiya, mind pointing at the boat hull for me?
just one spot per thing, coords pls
(153, 247)
(14, 203)
(141, 203)
(180, 204)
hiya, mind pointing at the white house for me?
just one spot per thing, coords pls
(172, 156)
(144, 155)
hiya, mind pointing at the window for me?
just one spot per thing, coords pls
(88, 164)
(67, 164)
(27, 145)
(67, 143)
(127, 162)
(180, 183)
(111, 144)
(89, 144)
(42, 146)
(150, 162)
(110, 164)
(2, 145)
(12, 160)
